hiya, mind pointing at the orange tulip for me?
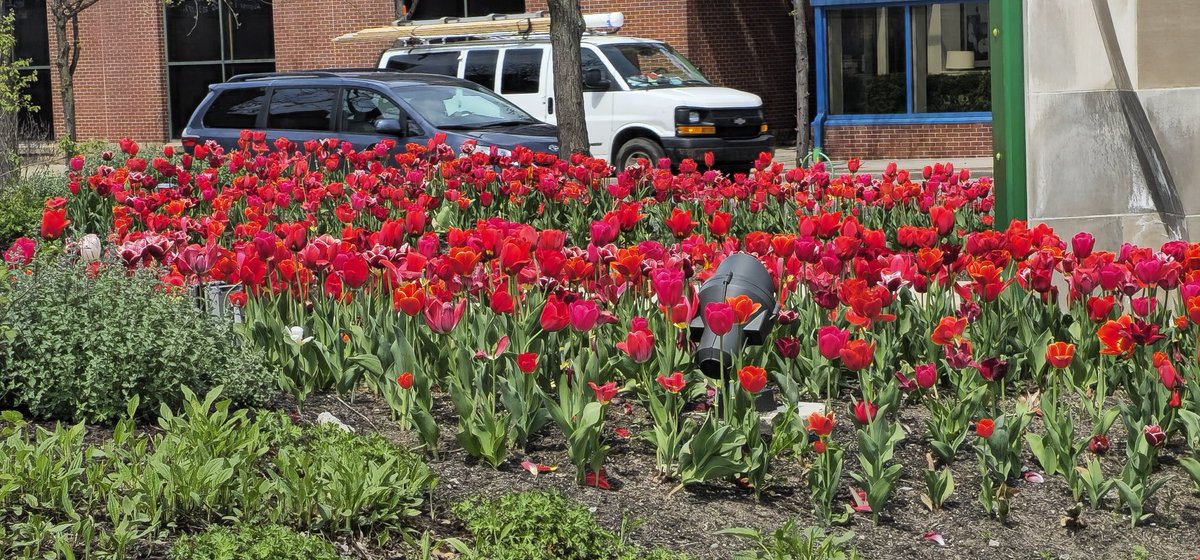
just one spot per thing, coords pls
(1059, 354)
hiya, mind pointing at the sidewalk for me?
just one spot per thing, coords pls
(979, 166)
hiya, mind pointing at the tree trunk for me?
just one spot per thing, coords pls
(803, 128)
(566, 31)
(66, 82)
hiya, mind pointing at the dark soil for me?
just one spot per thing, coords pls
(687, 521)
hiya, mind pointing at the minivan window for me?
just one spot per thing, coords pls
(301, 108)
(652, 65)
(591, 61)
(522, 71)
(235, 108)
(361, 107)
(443, 63)
(460, 108)
(481, 67)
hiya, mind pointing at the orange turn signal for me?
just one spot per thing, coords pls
(692, 130)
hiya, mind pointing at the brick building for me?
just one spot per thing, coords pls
(144, 64)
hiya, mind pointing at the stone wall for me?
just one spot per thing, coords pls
(1113, 118)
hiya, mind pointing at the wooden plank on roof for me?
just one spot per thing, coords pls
(393, 32)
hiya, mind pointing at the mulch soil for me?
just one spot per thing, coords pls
(687, 520)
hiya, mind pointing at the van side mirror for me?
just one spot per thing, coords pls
(595, 80)
(392, 127)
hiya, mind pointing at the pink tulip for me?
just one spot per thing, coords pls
(583, 314)
(443, 316)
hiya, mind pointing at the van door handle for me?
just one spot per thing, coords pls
(549, 105)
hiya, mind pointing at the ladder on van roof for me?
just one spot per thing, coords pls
(490, 26)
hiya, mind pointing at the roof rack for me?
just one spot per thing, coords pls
(490, 26)
(321, 73)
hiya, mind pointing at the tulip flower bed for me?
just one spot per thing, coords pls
(985, 384)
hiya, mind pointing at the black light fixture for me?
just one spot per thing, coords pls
(739, 274)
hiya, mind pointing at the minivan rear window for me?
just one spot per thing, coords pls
(522, 71)
(444, 63)
(481, 67)
(235, 108)
(308, 108)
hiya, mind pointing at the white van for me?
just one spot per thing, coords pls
(641, 97)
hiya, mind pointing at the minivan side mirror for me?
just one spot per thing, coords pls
(392, 127)
(594, 79)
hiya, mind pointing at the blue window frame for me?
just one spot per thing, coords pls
(949, 84)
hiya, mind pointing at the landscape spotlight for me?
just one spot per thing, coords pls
(739, 274)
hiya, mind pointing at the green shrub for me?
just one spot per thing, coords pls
(543, 526)
(85, 346)
(21, 206)
(251, 542)
(790, 542)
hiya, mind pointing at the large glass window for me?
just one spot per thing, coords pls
(210, 42)
(480, 67)
(444, 63)
(430, 9)
(460, 108)
(236, 108)
(652, 65)
(522, 71)
(308, 109)
(930, 58)
(33, 44)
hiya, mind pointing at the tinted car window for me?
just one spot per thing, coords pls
(522, 70)
(481, 67)
(444, 63)
(361, 107)
(235, 108)
(301, 108)
(591, 61)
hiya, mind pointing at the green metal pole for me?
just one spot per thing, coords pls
(1008, 110)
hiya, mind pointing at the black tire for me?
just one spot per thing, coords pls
(638, 148)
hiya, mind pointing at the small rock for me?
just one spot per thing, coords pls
(994, 543)
(327, 418)
(805, 409)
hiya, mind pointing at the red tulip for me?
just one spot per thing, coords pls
(673, 384)
(527, 361)
(853, 164)
(864, 411)
(680, 223)
(353, 269)
(638, 344)
(554, 315)
(1176, 399)
(719, 317)
(788, 346)
(405, 380)
(743, 308)
(53, 223)
(948, 330)
(1166, 371)
(443, 316)
(857, 354)
(21, 252)
(1099, 308)
(1116, 337)
(821, 424)
(1082, 245)
(819, 446)
(1154, 435)
(985, 427)
(604, 393)
(1098, 444)
(752, 378)
(926, 375)
(667, 284)
(942, 218)
(719, 224)
(408, 298)
(1059, 354)
(992, 369)
(583, 314)
(238, 299)
(831, 340)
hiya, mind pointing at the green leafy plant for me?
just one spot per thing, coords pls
(939, 485)
(89, 341)
(876, 446)
(999, 452)
(542, 526)
(251, 541)
(790, 542)
(21, 205)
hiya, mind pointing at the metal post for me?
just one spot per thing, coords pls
(1008, 110)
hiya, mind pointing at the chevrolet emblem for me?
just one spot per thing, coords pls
(739, 121)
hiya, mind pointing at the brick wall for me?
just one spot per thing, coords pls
(304, 30)
(908, 141)
(121, 80)
(744, 45)
(749, 45)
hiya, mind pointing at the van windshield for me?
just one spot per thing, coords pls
(652, 65)
(454, 107)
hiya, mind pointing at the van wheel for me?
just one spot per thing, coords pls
(639, 148)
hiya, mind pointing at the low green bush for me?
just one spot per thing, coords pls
(543, 526)
(791, 542)
(88, 342)
(21, 205)
(208, 465)
(252, 542)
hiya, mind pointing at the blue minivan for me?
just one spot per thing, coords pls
(363, 107)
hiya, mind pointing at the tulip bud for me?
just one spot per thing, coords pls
(1155, 435)
(1098, 444)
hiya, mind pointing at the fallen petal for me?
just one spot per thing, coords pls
(935, 537)
(1034, 477)
(535, 468)
(598, 480)
(623, 432)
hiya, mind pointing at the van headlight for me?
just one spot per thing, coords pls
(693, 117)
